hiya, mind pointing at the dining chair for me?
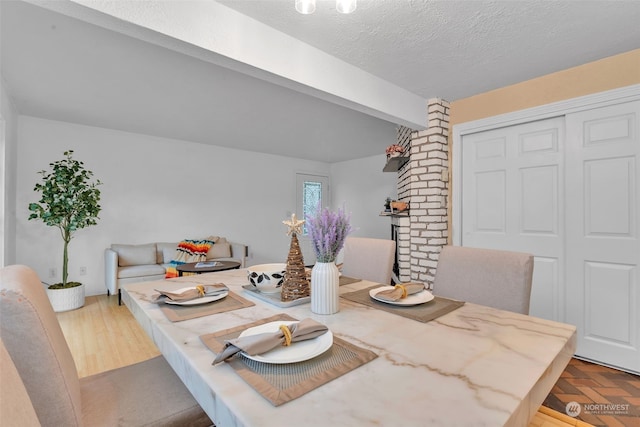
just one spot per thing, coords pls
(369, 259)
(15, 407)
(146, 393)
(499, 279)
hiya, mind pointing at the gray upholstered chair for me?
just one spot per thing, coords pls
(369, 259)
(147, 393)
(499, 279)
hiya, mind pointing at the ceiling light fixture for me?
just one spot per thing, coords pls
(307, 7)
(346, 6)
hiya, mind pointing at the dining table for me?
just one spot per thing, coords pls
(471, 366)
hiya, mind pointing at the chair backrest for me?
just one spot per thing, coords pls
(34, 340)
(369, 259)
(499, 279)
(15, 405)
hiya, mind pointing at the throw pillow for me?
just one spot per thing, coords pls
(222, 249)
(188, 251)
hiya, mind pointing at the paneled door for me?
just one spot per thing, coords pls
(603, 256)
(512, 196)
(566, 189)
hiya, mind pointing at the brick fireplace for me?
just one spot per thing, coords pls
(423, 183)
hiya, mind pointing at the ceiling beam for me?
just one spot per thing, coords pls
(220, 35)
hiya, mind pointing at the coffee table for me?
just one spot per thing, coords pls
(190, 267)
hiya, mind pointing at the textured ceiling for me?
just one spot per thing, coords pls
(455, 49)
(60, 67)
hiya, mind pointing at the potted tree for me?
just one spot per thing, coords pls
(69, 200)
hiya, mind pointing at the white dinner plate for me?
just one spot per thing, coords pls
(296, 352)
(413, 299)
(198, 301)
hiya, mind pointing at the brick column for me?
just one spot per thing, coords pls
(429, 188)
(403, 230)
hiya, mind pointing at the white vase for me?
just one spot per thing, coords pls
(325, 283)
(66, 299)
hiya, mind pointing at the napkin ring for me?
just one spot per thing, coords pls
(200, 289)
(404, 290)
(287, 335)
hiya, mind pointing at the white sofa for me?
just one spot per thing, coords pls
(138, 263)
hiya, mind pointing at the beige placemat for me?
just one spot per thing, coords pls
(422, 313)
(346, 280)
(177, 313)
(281, 383)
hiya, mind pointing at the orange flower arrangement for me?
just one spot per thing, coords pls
(394, 148)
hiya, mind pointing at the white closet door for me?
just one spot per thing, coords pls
(603, 246)
(512, 192)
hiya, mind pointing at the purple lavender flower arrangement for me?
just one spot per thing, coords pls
(328, 230)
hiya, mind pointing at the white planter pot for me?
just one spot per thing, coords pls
(66, 299)
(325, 284)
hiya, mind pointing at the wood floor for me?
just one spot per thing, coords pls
(103, 336)
(609, 398)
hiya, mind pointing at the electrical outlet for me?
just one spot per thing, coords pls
(83, 271)
(52, 272)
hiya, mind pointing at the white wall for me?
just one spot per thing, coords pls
(362, 188)
(157, 190)
(8, 161)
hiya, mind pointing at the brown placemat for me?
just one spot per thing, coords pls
(281, 383)
(346, 280)
(177, 313)
(426, 312)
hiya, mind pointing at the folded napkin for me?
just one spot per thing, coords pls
(198, 291)
(400, 291)
(305, 329)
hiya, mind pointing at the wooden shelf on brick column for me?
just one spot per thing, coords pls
(395, 213)
(395, 163)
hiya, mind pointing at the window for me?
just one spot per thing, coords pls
(311, 191)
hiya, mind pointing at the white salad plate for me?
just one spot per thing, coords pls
(413, 299)
(197, 301)
(296, 352)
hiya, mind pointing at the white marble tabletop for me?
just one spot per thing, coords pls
(475, 366)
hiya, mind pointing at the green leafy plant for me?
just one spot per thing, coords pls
(69, 201)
